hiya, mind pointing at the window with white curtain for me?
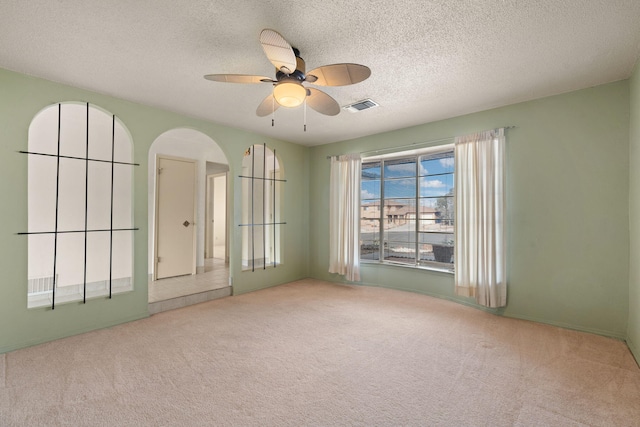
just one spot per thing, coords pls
(407, 208)
(80, 210)
(480, 217)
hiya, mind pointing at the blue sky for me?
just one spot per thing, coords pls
(400, 181)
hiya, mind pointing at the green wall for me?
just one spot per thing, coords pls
(633, 332)
(571, 195)
(21, 98)
(567, 208)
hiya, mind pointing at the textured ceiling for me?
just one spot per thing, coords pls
(430, 60)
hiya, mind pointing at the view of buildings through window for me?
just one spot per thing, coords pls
(407, 210)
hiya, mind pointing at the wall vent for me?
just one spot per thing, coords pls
(365, 104)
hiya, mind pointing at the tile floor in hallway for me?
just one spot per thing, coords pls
(216, 276)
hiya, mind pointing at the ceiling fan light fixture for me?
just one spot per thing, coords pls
(289, 94)
(291, 72)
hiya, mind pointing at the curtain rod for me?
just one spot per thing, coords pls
(414, 144)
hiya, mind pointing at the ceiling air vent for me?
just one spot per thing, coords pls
(365, 104)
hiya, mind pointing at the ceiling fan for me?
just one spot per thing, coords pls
(288, 90)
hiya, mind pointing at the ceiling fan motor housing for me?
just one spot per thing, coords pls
(298, 74)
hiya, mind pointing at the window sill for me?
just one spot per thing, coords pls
(413, 267)
(259, 267)
(73, 293)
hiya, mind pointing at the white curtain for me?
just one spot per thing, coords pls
(480, 270)
(344, 216)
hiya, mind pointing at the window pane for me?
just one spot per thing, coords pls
(40, 270)
(71, 192)
(43, 131)
(400, 252)
(369, 211)
(70, 267)
(436, 256)
(400, 168)
(397, 212)
(122, 144)
(100, 134)
(404, 235)
(437, 214)
(370, 189)
(428, 215)
(256, 250)
(73, 130)
(122, 200)
(437, 164)
(276, 251)
(259, 247)
(439, 226)
(99, 213)
(371, 171)
(122, 278)
(399, 230)
(98, 254)
(436, 238)
(404, 187)
(40, 249)
(369, 238)
(438, 185)
(269, 242)
(42, 193)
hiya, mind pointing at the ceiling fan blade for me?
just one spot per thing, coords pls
(338, 74)
(267, 106)
(237, 78)
(321, 102)
(278, 50)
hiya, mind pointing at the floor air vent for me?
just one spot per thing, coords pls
(365, 104)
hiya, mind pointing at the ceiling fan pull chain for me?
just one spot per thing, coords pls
(305, 114)
(273, 111)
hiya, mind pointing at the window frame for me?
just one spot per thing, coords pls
(416, 156)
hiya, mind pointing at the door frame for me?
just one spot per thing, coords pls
(227, 216)
(210, 179)
(208, 214)
(157, 211)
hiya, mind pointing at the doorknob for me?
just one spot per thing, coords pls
(186, 223)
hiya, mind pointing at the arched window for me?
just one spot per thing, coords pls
(262, 180)
(80, 222)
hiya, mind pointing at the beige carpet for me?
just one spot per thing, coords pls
(315, 353)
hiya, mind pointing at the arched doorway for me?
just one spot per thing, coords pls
(187, 193)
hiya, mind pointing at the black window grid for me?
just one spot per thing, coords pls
(264, 224)
(86, 231)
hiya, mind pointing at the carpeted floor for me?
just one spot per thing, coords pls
(316, 353)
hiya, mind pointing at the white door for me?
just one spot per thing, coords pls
(175, 217)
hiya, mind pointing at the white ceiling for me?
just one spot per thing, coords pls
(430, 60)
